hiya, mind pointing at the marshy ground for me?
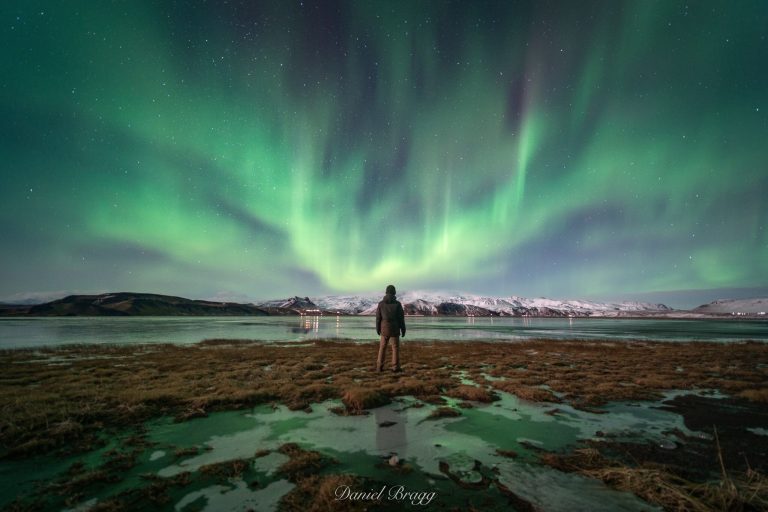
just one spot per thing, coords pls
(65, 401)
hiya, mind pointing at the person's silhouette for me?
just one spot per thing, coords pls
(390, 324)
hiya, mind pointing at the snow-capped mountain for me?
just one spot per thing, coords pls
(735, 307)
(349, 304)
(298, 303)
(447, 304)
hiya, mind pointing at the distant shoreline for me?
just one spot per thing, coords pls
(11, 312)
(132, 304)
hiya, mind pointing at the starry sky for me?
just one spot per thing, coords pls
(247, 150)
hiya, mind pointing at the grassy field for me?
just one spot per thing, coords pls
(62, 400)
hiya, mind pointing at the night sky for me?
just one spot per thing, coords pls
(247, 150)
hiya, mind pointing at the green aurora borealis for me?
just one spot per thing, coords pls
(261, 149)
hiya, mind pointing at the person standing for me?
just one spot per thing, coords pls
(390, 325)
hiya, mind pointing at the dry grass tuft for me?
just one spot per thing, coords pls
(755, 395)
(533, 394)
(357, 399)
(301, 463)
(658, 485)
(474, 393)
(443, 412)
(227, 469)
(317, 494)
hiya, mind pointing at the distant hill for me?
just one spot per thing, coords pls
(735, 307)
(137, 304)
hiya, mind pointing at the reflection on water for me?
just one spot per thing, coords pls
(30, 332)
(390, 434)
(361, 443)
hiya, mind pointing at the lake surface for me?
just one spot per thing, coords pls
(36, 332)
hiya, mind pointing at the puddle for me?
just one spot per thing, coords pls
(463, 443)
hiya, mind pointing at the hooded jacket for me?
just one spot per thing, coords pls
(390, 317)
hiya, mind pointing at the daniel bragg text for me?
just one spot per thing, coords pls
(395, 493)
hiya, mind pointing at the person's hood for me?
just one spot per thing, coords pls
(389, 298)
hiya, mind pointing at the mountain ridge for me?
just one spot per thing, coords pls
(419, 303)
(755, 306)
(448, 304)
(134, 304)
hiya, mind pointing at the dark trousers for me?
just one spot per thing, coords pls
(395, 352)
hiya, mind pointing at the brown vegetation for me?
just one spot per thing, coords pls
(313, 491)
(475, 393)
(301, 463)
(443, 412)
(356, 399)
(316, 493)
(756, 395)
(533, 394)
(227, 469)
(660, 485)
(56, 399)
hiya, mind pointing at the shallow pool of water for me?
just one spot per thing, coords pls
(362, 445)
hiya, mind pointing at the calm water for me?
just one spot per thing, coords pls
(32, 332)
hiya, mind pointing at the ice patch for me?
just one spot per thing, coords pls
(220, 449)
(158, 454)
(527, 440)
(269, 463)
(82, 507)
